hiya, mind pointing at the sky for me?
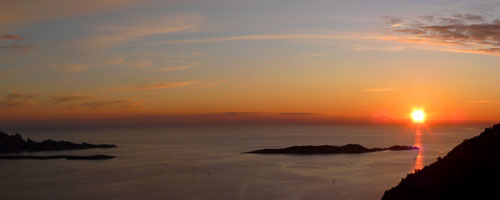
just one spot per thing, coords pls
(172, 61)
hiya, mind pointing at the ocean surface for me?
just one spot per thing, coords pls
(206, 162)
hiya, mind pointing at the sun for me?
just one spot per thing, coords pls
(418, 116)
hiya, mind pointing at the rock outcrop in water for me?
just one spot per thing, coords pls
(15, 143)
(470, 171)
(328, 149)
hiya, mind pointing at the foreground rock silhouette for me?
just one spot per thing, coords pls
(470, 171)
(328, 149)
(15, 143)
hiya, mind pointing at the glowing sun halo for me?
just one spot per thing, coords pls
(418, 116)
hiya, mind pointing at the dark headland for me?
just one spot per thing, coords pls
(15, 143)
(470, 171)
(328, 149)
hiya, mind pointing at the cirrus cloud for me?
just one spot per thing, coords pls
(66, 98)
(96, 105)
(111, 34)
(22, 11)
(210, 84)
(164, 85)
(467, 33)
(15, 99)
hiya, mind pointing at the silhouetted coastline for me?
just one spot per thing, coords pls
(15, 143)
(470, 171)
(329, 149)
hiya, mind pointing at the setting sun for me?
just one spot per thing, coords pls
(418, 116)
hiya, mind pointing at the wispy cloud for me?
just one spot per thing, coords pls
(164, 85)
(15, 96)
(106, 62)
(178, 68)
(232, 114)
(299, 114)
(97, 105)
(274, 37)
(196, 54)
(211, 84)
(312, 55)
(66, 99)
(108, 36)
(133, 62)
(378, 89)
(91, 102)
(467, 33)
(372, 48)
(71, 67)
(393, 21)
(169, 85)
(21, 11)
(483, 102)
(15, 99)
(453, 19)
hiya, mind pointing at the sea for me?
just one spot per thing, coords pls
(206, 162)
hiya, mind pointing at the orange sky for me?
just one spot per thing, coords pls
(195, 61)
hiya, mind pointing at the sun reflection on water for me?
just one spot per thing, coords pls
(419, 163)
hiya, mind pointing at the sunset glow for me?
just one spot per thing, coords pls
(227, 61)
(418, 116)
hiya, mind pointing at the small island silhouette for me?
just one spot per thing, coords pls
(470, 171)
(15, 144)
(329, 149)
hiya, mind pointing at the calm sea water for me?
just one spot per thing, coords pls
(206, 163)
